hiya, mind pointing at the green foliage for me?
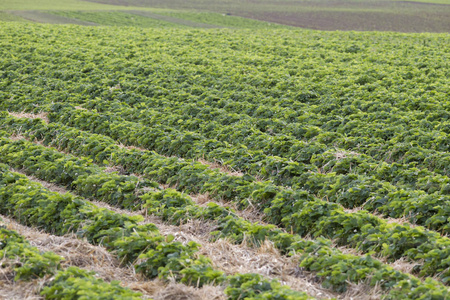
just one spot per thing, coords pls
(77, 283)
(323, 129)
(236, 229)
(73, 283)
(252, 286)
(79, 174)
(31, 204)
(32, 263)
(155, 255)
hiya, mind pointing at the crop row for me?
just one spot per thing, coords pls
(79, 174)
(350, 190)
(175, 207)
(293, 209)
(335, 268)
(341, 106)
(235, 128)
(217, 144)
(66, 83)
(346, 128)
(32, 205)
(263, 87)
(154, 254)
(30, 263)
(402, 150)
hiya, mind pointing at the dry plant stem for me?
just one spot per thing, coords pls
(19, 290)
(338, 155)
(131, 147)
(17, 137)
(81, 254)
(42, 115)
(181, 292)
(222, 168)
(250, 213)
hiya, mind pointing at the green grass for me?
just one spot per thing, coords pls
(167, 18)
(56, 5)
(8, 17)
(116, 19)
(222, 20)
(38, 16)
(431, 1)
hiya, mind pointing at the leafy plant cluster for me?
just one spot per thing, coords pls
(350, 190)
(33, 205)
(78, 174)
(153, 255)
(175, 207)
(72, 283)
(356, 119)
(332, 266)
(243, 87)
(353, 189)
(318, 114)
(238, 128)
(300, 212)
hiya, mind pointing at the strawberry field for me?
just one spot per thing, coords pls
(329, 151)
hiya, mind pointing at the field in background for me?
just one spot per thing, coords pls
(52, 5)
(46, 17)
(404, 16)
(91, 14)
(117, 19)
(372, 15)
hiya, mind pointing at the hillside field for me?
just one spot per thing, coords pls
(380, 15)
(183, 153)
(360, 15)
